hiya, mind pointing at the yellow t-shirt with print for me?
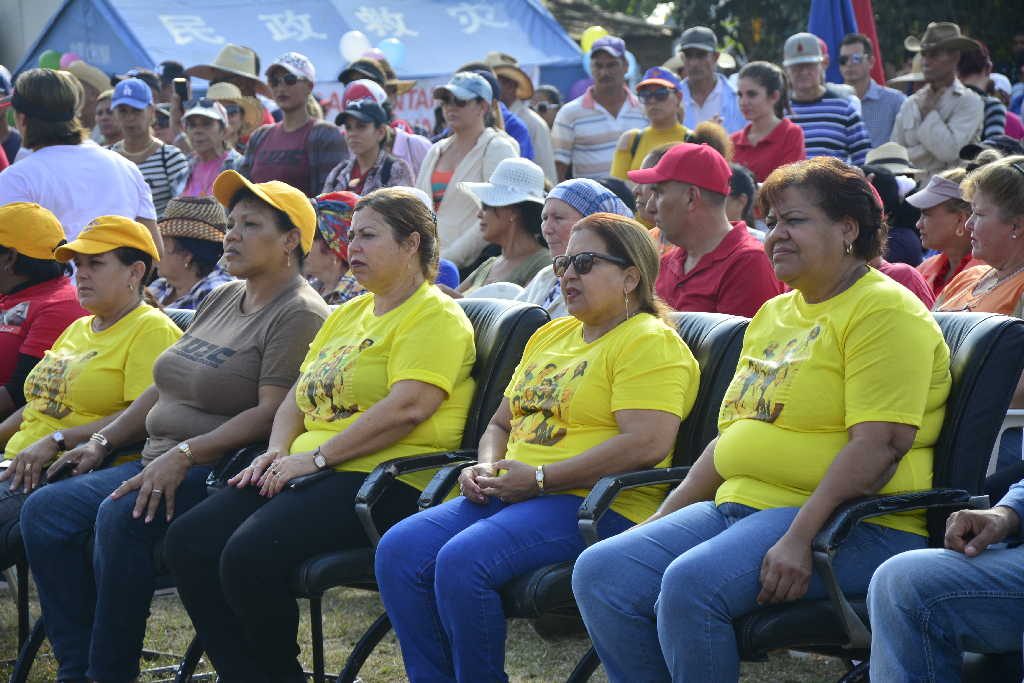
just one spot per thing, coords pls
(808, 372)
(650, 138)
(564, 393)
(357, 356)
(87, 375)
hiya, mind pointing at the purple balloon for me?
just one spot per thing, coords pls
(580, 87)
(67, 58)
(374, 53)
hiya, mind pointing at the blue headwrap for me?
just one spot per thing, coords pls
(589, 196)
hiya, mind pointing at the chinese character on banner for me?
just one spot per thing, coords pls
(290, 26)
(185, 28)
(384, 22)
(472, 17)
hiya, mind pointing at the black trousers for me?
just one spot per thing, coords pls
(10, 511)
(232, 557)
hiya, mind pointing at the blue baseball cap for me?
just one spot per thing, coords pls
(613, 45)
(465, 86)
(132, 92)
(657, 75)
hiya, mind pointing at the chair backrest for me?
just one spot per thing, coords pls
(715, 339)
(501, 328)
(986, 357)
(182, 317)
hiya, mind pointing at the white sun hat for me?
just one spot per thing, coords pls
(513, 181)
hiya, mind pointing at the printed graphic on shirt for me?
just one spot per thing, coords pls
(760, 388)
(539, 401)
(320, 388)
(14, 317)
(202, 352)
(48, 383)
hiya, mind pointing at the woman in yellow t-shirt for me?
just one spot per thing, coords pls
(661, 94)
(95, 368)
(387, 376)
(840, 392)
(598, 392)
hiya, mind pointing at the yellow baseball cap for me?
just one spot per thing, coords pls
(279, 195)
(107, 233)
(30, 229)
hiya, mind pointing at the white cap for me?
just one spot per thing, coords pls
(211, 109)
(296, 64)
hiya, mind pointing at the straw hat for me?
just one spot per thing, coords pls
(252, 110)
(87, 74)
(232, 60)
(401, 87)
(893, 157)
(508, 66)
(199, 218)
(916, 75)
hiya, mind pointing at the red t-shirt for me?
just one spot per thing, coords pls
(784, 145)
(31, 319)
(909, 277)
(282, 156)
(736, 277)
(4, 163)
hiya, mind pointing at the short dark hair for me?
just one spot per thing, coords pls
(284, 223)
(842, 191)
(531, 214)
(974, 62)
(35, 269)
(742, 183)
(52, 91)
(204, 253)
(550, 92)
(128, 256)
(855, 38)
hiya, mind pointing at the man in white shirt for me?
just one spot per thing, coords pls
(516, 89)
(71, 176)
(587, 130)
(707, 95)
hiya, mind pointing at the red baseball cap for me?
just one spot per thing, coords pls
(698, 165)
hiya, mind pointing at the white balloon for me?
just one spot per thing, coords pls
(353, 45)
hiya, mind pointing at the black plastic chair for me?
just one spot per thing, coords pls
(501, 328)
(985, 361)
(715, 341)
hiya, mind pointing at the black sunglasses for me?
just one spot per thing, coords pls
(653, 94)
(232, 109)
(287, 79)
(204, 102)
(451, 100)
(852, 59)
(582, 262)
(542, 107)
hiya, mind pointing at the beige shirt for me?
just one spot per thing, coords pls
(540, 137)
(215, 370)
(934, 142)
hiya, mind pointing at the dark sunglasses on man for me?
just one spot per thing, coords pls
(287, 79)
(654, 94)
(544, 107)
(582, 262)
(852, 59)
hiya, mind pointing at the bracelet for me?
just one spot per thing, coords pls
(103, 441)
(539, 476)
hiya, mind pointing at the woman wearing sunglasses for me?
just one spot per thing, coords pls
(470, 154)
(598, 392)
(661, 95)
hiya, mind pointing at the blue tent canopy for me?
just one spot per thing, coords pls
(439, 35)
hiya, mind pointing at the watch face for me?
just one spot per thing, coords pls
(320, 461)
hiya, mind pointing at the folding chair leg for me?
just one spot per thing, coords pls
(316, 627)
(21, 569)
(585, 668)
(363, 649)
(27, 653)
(189, 662)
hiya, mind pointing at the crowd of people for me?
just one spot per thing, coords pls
(322, 260)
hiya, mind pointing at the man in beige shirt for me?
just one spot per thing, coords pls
(943, 116)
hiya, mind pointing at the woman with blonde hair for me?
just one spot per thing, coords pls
(598, 392)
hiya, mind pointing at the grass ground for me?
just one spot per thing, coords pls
(347, 612)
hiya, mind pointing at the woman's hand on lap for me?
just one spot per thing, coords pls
(277, 476)
(26, 470)
(785, 571)
(252, 474)
(518, 483)
(159, 480)
(469, 482)
(82, 459)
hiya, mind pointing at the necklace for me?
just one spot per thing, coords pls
(142, 154)
(996, 282)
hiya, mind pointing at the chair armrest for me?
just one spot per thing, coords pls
(607, 489)
(380, 479)
(442, 484)
(231, 464)
(851, 513)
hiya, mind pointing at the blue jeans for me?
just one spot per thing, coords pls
(929, 606)
(96, 606)
(440, 570)
(659, 601)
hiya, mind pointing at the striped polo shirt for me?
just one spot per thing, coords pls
(585, 134)
(165, 171)
(832, 127)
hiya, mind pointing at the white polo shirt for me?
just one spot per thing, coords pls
(585, 133)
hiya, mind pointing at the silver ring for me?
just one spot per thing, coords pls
(156, 491)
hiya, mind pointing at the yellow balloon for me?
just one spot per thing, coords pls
(591, 34)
